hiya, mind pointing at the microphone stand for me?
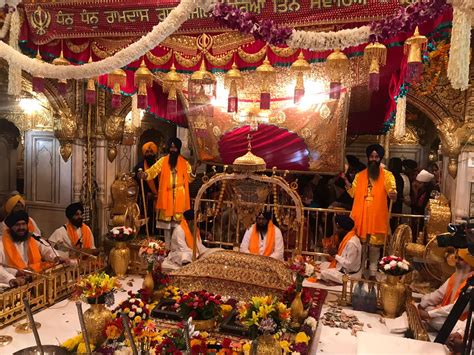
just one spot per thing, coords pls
(65, 246)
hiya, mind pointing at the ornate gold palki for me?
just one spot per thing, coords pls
(234, 274)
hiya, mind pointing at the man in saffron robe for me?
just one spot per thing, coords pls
(21, 251)
(349, 254)
(434, 307)
(263, 238)
(150, 187)
(173, 189)
(370, 190)
(182, 242)
(17, 203)
(74, 234)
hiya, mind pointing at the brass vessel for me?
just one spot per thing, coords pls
(95, 319)
(266, 344)
(393, 296)
(298, 313)
(120, 258)
(148, 283)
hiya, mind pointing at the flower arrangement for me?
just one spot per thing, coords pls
(200, 305)
(121, 234)
(303, 268)
(152, 252)
(290, 293)
(135, 308)
(160, 280)
(264, 315)
(95, 287)
(394, 265)
(76, 345)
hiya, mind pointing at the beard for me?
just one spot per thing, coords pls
(262, 229)
(150, 160)
(21, 237)
(173, 159)
(77, 223)
(374, 169)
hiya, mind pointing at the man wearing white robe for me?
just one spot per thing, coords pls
(349, 255)
(60, 238)
(434, 307)
(180, 252)
(262, 228)
(17, 229)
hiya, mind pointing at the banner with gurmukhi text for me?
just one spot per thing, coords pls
(89, 18)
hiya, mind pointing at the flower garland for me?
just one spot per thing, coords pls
(459, 53)
(127, 55)
(404, 20)
(14, 72)
(436, 63)
(6, 25)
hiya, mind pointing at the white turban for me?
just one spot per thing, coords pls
(424, 176)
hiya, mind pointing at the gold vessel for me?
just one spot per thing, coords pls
(120, 258)
(148, 283)
(298, 313)
(204, 325)
(266, 344)
(95, 319)
(393, 296)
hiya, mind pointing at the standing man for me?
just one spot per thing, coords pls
(263, 238)
(17, 203)
(370, 190)
(173, 189)
(74, 234)
(150, 154)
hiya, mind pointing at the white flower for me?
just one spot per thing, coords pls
(153, 245)
(132, 300)
(400, 264)
(405, 267)
(311, 322)
(139, 310)
(309, 269)
(386, 267)
(393, 263)
(131, 315)
(115, 231)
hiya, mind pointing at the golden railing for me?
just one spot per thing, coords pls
(227, 228)
(56, 285)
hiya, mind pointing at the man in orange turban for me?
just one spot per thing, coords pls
(150, 187)
(17, 203)
(371, 189)
(173, 190)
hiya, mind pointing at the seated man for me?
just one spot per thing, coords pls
(434, 307)
(73, 234)
(182, 242)
(263, 238)
(349, 254)
(17, 203)
(21, 251)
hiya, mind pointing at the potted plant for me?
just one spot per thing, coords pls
(393, 290)
(303, 268)
(202, 306)
(120, 254)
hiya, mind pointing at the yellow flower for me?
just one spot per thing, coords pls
(138, 319)
(204, 334)
(285, 346)
(81, 348)
(72, 343)
(265, 310)
(226, 308)
(282, 307)
(252, 321)
(126, 310)
(246, 347)
(301, 337)
(195, 342)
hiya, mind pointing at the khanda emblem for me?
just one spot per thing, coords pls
(204, 42)
(40, 20)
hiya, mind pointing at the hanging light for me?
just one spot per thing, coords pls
(414, 45)
(266, 73)
(116, 79)
(62, 83)
(337, 65)
(143, 80)
(38, 81)
(299, 66)
(201, 86)
(171, 84)
(90, 89)
(375, 55)
(233, 80)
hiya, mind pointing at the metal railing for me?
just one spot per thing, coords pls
(226, 229)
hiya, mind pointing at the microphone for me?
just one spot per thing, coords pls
(47, 244)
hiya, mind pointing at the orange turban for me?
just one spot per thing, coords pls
(468, 258)
(12, 202)
(149, 145)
